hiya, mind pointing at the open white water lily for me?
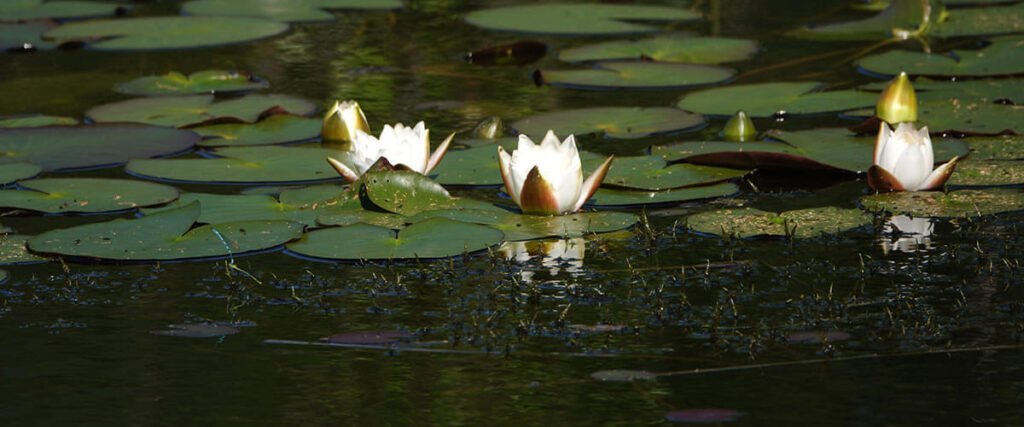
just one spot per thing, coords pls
(403, 147)
(904, 161)
(342, 121)
(547, 178)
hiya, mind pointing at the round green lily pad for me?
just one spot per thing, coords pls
(276, 129)
(284, 10)
(565, 18)
(11, 172)
(430, 239)
(193, 110)
(984, 90)
(164, 236)
(222, 208)
(638, 75)
(985, 173)
(167, 32)
(35, 120)
(26, 36)
(653, 173)
(528, 227)
(244, 165)
(614, 122)
(955, 204)
(768, 99)
(31, 10)
(907, 15)
(803, 223)
(85, 195)
(101, 145)
(477, 166)
(13, 250)
(349, 215)
(606, 197)
(1005, 56)
(666, 48)
(199, 82)
(315, 196)
(405, 192)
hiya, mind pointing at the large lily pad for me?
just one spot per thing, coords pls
(163, 237)
(653, 173)
(193, 110)
(31, 10)
(606, 197)
(13, 250)
(566, 19)
(199, 82)
(244, 165)
(985, 90)
(72, 147)
(768, 99)
(987, 173)
(528, 227)
(85, 195)
(963, 116)
(22, 37)
(167, 32)
(434, 238)
(614, 122)
(1003, 147)
(476, 166)
(666, 48)
(955, 204)
(638, 75)
(405, 192)
(978, 21)
(803, 223)
(11, 172)
(284, 10)
(908, 15)
(35, 120)
(276, 129)
(1005, 56)
(223, 208)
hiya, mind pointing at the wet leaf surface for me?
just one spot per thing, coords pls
(613, 122)
(199, 82)
(559, 18)
(85, 195)
(803, 223)
(167, 32)
(434, 238)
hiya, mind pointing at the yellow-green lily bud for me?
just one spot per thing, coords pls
(342, 121)
(898, 103)
(739, 128)
(490, 128)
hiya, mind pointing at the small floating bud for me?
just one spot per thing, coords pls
(739, 128)
(342, 121)
(491, 128)
(898, 103)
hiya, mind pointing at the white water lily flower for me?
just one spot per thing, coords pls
(342, 121)
(547, 178)
(401, 146)
(904, 161)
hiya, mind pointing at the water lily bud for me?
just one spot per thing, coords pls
(342, 121)
(491, 128)
(739, 128)
(898, 103)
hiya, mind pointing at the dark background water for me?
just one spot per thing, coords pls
(76, 348)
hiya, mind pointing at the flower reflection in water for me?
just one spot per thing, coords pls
(907, 234)
(557, 256)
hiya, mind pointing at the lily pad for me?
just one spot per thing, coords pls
(284, 10)
(666, 48)
(568, 19)
(13, 250)
(1003, 147)
(405, 192)
(653, 173)
(164, 236)
(978, 21)
(31, 10)
(102, 145)
(614, 122)
(955, 204)
(908, 15)
(85, 195)
(985, 173)
(803, 223)
(528, 227)
(1005, 56)
(167, 32)
(349, 215)
(769, 99)
(434, 238)
(963, 116)
(35, 120)
(985, 90)
(222, 208)
(476, 166)
(637, 75)
(606, 197)
(11, 172)
(244, 165)
(24, 37)
(194, 110)
(199, 82)
(276, 129)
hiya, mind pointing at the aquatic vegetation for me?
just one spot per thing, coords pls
(547, 178)
(399, 145)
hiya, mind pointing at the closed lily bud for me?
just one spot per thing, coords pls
(904, 161)
(739, 128)
(490, 128)
(401, 146)
(342, 121)
(897, 103)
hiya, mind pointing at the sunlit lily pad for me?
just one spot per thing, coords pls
(768, 99)
(1003, 147)
(529, 227)
(13, 250)
(11, 172)
(23, 37)
(984, 173)
(653, 173)
(35, 120)
(803, 223)
(614, 122)
(72, 147)
(222, 208)
(434, 238)
(606, 197)
(284, 10)
(907, 15)
(476, 166)
(349, 215)
(243, 165)
(199, 82)
(637, 75)
(85, 195)
(166, 32)
(964, 116)
(276, 129)
(978, 21)
(1005, 56)
(985, 90)
(30, 10)
(405, 192)
(566, 19)
(164, 236)
(936, 204)
(667, 48)
(191, 110)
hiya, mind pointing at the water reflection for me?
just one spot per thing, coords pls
(556, 256)
(906, 234)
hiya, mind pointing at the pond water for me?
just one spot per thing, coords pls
(860, 327)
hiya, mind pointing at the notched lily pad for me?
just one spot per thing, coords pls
(243, 165)
(195, 110)
(222, 208)
(606, 197)
(103, 145)
(803, 223)
(636, 75)
(955, 204)
(770, 99)
(568, 19)
(276, 129)
(199, 82)
(166, 32)
(284, 10)
(667, 48)
(430, 239)
(614, 122)
(11, 172)
(85, 195)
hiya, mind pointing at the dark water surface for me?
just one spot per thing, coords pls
(517, 342)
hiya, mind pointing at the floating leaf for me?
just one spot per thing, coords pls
(652, 173)
(528, 227)
(276, 129)
(803, 223)
(434, 238)
(31, 10)
(1005, 56)
(284, 10)
(963, 116)
(984, 173)
(35, 120)
(199, 82)
(196, 330)
(703, 416)
(24, 37)
(606, 197)
(13, 251)
(518, 53)
(908, 15)
(623, 375)
(637, 75)
(166, 32)
(614, 122)
(565, 19)
(476, 166)
(244, 165)
(164, 236)
(985, 90)
(222, 208)
(978, 21)
(191, 110)
(85, 195)
(936, 204)
(349, 215)
(11, 172)
(768, 99)
(666, 48)
(405, 192)
(72, 147)
(1003, 147)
